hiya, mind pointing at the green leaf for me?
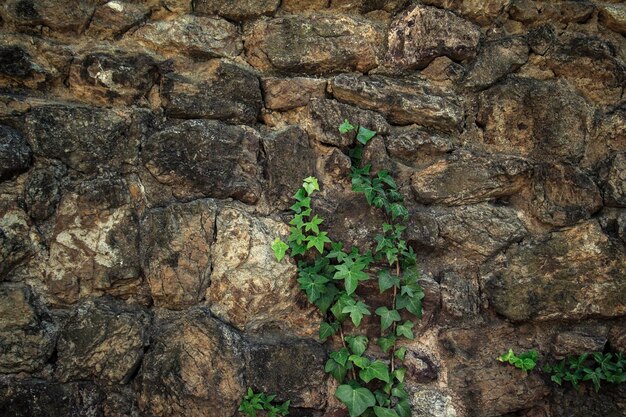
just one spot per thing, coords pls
(360, 361)
(385, 412)
(386, 280)
(357, 344)
(345, 127)
(336, 370)
(340, 356)
(312, 284)
(400, 353)
(310, 184)
(357, 311)
(386, 343)
(398, 210)
(405, 330)
(387, 317)
(356, 399)
(403, 408)
(412, 304)
(399, 392)
(327, 330)
(364, 135)
(327, 297)
(376, 370)
(399, 374)
(351, 273)
(318, 241)
(313, 224)
(280, 249)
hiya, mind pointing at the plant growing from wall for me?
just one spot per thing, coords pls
(253, 402)
(330, 276)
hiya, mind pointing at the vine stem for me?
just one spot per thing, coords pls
(393, 327)
(343, 342)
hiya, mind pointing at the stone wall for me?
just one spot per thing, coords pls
(149, 150)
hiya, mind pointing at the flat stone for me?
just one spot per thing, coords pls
(15, 153)
(114, 18)
(205, 158)
(221, 91)
(613, 16)
(236, 10)
(573, 274)
(58, 15)
(497, 59)
(424, 33)
(314, 44)
(288, 93)
(614, 181)
(402, 101)
(464, 178)
(176, 252)
(198, 37)
(103, 339)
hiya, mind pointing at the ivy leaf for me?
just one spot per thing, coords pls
(386, 280)
(336, 370)
(336, 252)
(385, 412)
(405, 330)
(400, 353)
(387, 317)
(326, 299)
(357, 344)
(318, 241)
(351, 273)
(356, 399)
(327, 330)
(399, 374)
(412, 304)
(386, 343)
(346, 127)
(359, 361)
(357, 311)
(304, 203)
(340, 356)
(280, 249)
(313, 224)
(399, 392)
(313, 285)
(403, 408)
(376, 370)
(364, 135)
(310, 184)
(337, 308)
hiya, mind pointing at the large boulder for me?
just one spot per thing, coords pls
(15, 153)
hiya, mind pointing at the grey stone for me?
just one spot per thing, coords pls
(614, 181)
(114, 18)
(19, 239)
(42, 191)
(15, 153)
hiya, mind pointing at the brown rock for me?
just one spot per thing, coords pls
(574, 343)
(609, 137)
(424, 33)
(464, 178)
(194, 367)
(176, 252)
(15, 153)
(236, 10)
(103, 339)
(460, 296)
(205, 158)
(114, 18)
(298, 6)
(497, 59)
(42, 191)
(62, 16)
(198, 37)
(403, 101)
(287, 93)
(19, 239)
(417, 147)
(614, 181)
(482, 12)
(20, 65)
(573, 274)
(314, 44)
(27, 333)
(221, 91)
(532, 12)
(249, 288)
(613, 16)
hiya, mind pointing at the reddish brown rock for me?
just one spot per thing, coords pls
(236, 10)
(613, 16)
(62, 16)
(287, 93)
(482, 12)
(114, 18)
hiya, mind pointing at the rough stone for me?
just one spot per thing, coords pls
(222, 91)
(198, 37)
(325, 116)
(403, 101)
(482, 12)
(288, 160)
(460, 297)
(42, 191)
(176, 252)
(543, 119)
(424, 33)
(417, 147)
(465, 178)
(573, 343)
(288, 93)
(432, 402)
(114, 18)
(577, 273)
(239, 10)
(605, 403)
(536, 12)
(103, 339)
(194, 368)
(19, 68)
(15, 153)
(57, 15)
(293, 369)
(84, 138)
(18, 238)
(249, 288)
(541, 39)
(27, 333)
(614, 181)
(497, 59)
(94, 247)
(314, 44)
(113, 77)
(367, 6)
(205, 158)
(613, 16)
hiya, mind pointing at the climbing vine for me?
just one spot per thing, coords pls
(330, 276)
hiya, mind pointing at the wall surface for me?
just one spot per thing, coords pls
(149, 150)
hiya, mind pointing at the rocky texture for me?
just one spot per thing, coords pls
(287, 93)
(102, 339)
(114, 18)
(314, 44)
(15, 153)
(482, 12)
(613, 16)
(614, 181)
(43, 190)
(240, 10)
(58, 16)
(19, 239)
(417, 147)
(425, 33)
(497, 59)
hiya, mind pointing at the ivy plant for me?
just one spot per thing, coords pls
(526, 361)
(330, 275)
(253, 402)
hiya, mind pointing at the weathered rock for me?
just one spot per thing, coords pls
(608, 402)
(367, 6)
(18, 238)
(541, 39)
(288, 160)
(19, 67)
(42, 191)
(497, 59)
(205, 158)
(533, 12)
(287, 93)
(198, 37)
(84, 138)
(27, 333)
(573, 274)
(194, 368)
(432, 402)
(37, 398)
(57, 15)
(249, 288)
(299, 6)
(176, 252)
(464, 178)
(236, 10)
(114, 18)
(460, 297)
(613, 16)
(574, 343)
(293, 369)
(314, 44)
(562, 195)
(416, 147)
(403, 101)
(222, 91)
(94, 246)
(325, 116)
(482, 12)
(102, 339)
(425, 33)
(15, 153)
(543, 119)
(113, 77)
(614, 181)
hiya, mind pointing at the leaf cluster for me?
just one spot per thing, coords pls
(526, 361)
(253, 402)
(594, 367)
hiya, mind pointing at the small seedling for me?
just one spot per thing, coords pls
(525, 361)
